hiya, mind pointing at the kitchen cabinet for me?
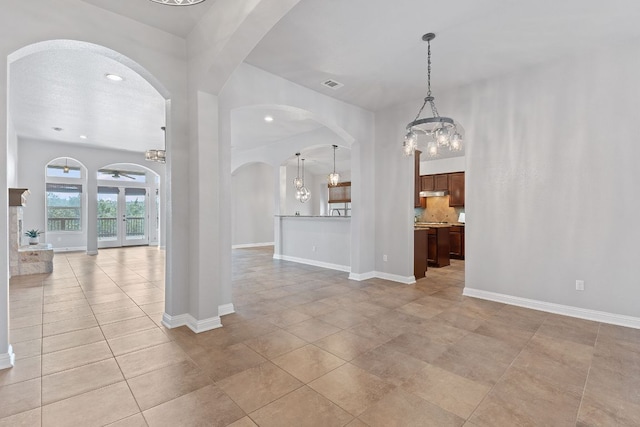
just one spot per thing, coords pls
(341, 193)
(418, 203)
(456, 189)
(419, 253)
(427, 182)
(441, 182)
(438, 246)
(456, 242)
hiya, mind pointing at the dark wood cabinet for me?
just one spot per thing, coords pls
(341, 193)
(456, 189)
(456, 242)
(438, 246)
(419, 253)
(441, 182)
(427, 182)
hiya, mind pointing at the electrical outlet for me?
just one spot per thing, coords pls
(579, 285)
(384, 258)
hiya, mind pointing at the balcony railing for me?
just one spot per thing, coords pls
(108, 227)
(64, 224)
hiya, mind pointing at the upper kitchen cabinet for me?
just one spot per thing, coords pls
(456, 189)
(427, 182)
(341, 193)
(441, 182)
(418, 203)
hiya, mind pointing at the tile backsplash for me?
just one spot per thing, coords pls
(438, 210)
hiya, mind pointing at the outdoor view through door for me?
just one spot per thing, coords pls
(123, 210)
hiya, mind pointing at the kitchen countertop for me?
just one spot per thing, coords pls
(312, 216)
(427, 225)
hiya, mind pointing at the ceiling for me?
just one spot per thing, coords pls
(373, 47)
(319, 160)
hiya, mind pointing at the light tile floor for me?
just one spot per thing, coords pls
(307, 347)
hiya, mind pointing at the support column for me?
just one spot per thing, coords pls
(91, 193)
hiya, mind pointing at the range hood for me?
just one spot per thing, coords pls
(433, 193)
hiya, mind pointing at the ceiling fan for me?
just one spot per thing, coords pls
(117, 174)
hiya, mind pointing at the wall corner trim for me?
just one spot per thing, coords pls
(363, 276)
(566, 310)
(191, 322)
(225, 309)
(315, 263)
(8, 359)
(252, 245)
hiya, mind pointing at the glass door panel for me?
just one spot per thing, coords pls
(122, 216)
(135, 216)
(108, 224)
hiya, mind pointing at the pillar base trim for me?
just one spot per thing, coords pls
(225, 309)
(8, 359)
(191, 322)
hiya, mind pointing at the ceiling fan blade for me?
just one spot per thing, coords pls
(127, 176)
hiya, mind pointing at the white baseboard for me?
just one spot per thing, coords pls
(252, 245)
(313, 262)
(566, 310)
(407, 280)
(188, 320)
(7, 359)
(92, 253)
(225, 309)
(77, 249)
(360, 277)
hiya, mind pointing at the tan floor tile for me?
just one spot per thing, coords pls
(112, 306)
(23, 369)
(389, 364)
(504, 332)
(136, 420)
(223, 363)
(26, 321)
(26, 349)
(243, 422)
(342, 318)
(303, 407)
(400, 408)
(72, 313)
(287, 317)
(425, 311)
(308, 363)
(357, 423)
(258, 386)
(30, 310)
(74, 357)
(98, 407)
(153, 308)
(570, 329)
(24, 419)
(423, 348)
(19, 397)
(71, 339)
(152, 358)
(351, 388)
(79, 380)
(451, 392)
(164, 384)
(61, 306)
(623, 386)
(63, 326)
(604, 410)
(137, 341)
(347, 345)
(208, 406)
(119, 315)
(521, 399)
(275, 344)
(25, 334)
(127, 327)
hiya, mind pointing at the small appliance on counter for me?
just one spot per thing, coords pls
(461, 217)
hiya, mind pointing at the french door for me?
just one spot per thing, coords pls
(123, 216)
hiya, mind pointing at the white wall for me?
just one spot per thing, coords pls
(452, 164)
(252, 193)
(552, 181)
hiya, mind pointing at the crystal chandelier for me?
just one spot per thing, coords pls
(334, 178)
(159, 156)
(178, 2)
(441, 133)
(302, 193)
(297, 181)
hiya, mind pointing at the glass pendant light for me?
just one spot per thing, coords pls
(178, 2)
(441, 133)
(65, 169)
(297, 181)
(303, 194)
(334, 178)
(159, 156)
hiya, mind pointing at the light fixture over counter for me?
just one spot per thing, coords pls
(178, 2)
(439, 133)
(334, 178)
(302, 193)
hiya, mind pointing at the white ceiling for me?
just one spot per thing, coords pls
(319, 160)
(175, 20)
(373, 47)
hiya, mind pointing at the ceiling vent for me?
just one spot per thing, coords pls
(332, 84)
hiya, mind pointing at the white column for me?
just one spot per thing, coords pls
(91, 193)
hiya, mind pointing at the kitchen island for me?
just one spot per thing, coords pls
(323, 241)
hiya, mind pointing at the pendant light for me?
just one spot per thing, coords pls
(159, 156)
(303, 194)
(441, 133)
(65, 169)
(297, 181)
(334, 178)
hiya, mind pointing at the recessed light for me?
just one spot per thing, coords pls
(114, 77)
(57, 129)
(268, 119)
(83, 136)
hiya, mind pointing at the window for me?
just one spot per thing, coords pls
(63, 171)
(64, 207)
